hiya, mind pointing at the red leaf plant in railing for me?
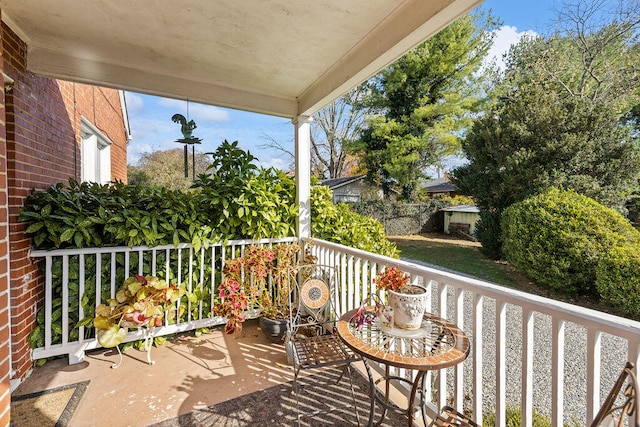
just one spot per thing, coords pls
(260, 279)
(142, 301)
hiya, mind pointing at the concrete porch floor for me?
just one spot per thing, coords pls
(189, 374)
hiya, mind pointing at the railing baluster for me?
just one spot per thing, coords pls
(442, 380)
(65, 300)
(594, 352)
(478, 308)
(459, 379)
(501, 353)
(81, 279)
(48, 302)
(527, 367)
(557, 372)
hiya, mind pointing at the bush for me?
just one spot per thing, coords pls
(618, 279)
(514, 418)
(338, 224)
(558, 237)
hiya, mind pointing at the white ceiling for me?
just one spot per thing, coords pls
(278, 57)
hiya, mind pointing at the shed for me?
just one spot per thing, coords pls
(461, 217)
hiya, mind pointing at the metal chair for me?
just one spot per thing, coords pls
(311, 340)
(621, 404)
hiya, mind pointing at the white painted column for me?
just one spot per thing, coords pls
(303, 175)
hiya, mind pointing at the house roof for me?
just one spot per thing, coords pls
(334, 183)
(279, 57)
(462, 208)
(441, 188)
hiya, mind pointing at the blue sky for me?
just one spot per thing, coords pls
(153, 130)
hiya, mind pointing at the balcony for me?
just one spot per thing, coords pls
(527, 351)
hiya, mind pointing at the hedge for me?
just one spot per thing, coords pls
(558, 237)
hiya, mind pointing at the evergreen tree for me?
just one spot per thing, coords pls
(424, 102)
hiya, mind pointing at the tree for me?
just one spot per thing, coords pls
(424, 102)
(593, 54)
(166, 169)
(539, 139)
(335, 126)
(559, 119)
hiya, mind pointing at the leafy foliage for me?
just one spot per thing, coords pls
(560, 116)
(242, 201)
(238, 201)
(514, 418)
(536, 140)
(166, 169)
(557, 238)
(618, 279)
(337, 223)
(425, 100)
(141, 301)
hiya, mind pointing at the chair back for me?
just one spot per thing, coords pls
(314, 306)
(622, 402)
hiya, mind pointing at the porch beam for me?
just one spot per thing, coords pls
(303, 175)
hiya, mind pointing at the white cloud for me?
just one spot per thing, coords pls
(135, 103)
(196, 111)
(505, 37)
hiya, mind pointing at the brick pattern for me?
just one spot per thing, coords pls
(5, 351)
(42, 148)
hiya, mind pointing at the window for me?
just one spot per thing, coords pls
(95, 154)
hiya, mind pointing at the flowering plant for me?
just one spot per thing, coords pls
(141, 301)
(392, 279)
(261, 278)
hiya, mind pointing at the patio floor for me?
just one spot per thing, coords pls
(189, 376)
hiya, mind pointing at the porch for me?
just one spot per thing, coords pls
(216, 380)
(527, 351)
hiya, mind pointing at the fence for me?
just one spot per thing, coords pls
(527, 351)
(78, 280)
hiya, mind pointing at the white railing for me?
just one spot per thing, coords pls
(78, 278)
(527, 351)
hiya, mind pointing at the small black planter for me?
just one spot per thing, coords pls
(273, 329)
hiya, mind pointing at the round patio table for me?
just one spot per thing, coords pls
(437, 344)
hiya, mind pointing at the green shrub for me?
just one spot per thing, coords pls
(618, 279)
(558, 237)
(514, 418)
(338, 224)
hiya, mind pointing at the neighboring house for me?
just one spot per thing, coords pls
(461, 217)
(353, 189)
(50, 131)
(440, 187)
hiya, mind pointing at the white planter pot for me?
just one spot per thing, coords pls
(408, 309)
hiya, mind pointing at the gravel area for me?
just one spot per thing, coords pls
(614, 356)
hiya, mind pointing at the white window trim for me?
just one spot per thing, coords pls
(102, 153)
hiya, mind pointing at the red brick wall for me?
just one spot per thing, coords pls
(42, 144)
(5, 368)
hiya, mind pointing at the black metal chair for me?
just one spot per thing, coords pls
(311, 340)
(621, 405)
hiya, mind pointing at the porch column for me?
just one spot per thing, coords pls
(303, 175)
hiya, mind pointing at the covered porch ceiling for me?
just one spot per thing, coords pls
(279, 57)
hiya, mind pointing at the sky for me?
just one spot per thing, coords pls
(152, 128)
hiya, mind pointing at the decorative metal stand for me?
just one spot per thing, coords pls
(148, 344)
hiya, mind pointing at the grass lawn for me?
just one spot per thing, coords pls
(465, 257)
(458, 255)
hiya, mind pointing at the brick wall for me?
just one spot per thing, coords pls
(5, 358)
(42, 148)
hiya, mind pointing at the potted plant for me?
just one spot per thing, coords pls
(407, 300)
(142, 301)
(261, 278)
